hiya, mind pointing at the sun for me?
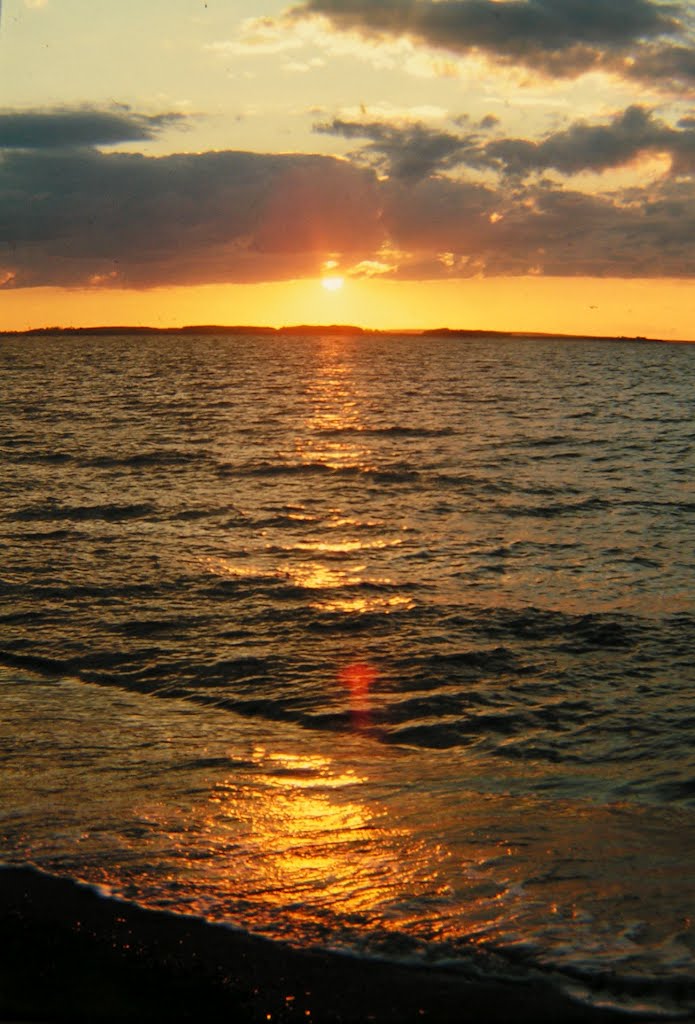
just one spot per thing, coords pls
(333, 283)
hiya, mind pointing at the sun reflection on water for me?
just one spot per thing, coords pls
(335, 438)
(334, 840)
(309, 840)
(362, 605)
(336, 419)
(342, 574)
(314, 854)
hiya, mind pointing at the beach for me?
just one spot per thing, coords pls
(70, 954)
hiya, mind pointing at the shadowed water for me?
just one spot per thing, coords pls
(395, 636)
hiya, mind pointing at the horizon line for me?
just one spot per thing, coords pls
(348, 330)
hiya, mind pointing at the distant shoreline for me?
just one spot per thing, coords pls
(344, 330)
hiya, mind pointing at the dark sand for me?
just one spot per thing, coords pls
(69, 954)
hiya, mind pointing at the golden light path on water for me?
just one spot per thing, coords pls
(307, 837)
(311, 838)
(335, 432)
(334, 837)
(335, 840)
(305, 840)
(333, 439)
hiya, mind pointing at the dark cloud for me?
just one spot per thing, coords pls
(547, 231)
(415, 151)
(586, 147)
(79, 217)
(51, 129)
(71, 217)
(412, 151)
(557, 37)
(460, 24)
(674, 65)
(438, 215)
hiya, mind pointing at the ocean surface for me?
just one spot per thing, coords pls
(382, 644)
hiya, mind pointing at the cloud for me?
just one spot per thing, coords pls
(50, 129)
(506, 27)
(673, 65)
(412, 151)
(586, 147)
(71, 217)
(562, 38)
(454, 230)
(415, 151)
(82, 217)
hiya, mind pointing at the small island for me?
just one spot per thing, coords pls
(304, 330)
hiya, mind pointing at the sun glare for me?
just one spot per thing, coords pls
(332, 284)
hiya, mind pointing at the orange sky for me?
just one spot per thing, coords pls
(479, 164)
(629, 308)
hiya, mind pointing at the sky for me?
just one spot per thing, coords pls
(486, 164)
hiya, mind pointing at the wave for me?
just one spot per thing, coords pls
(135, 460)
(392, 431)
(394, 473)
(38, 457)
(593, 630)
(36, 663)
(558, 508)
(52, 535)
(51, 510)
(160, 457)
(159, 966)
(233, 516)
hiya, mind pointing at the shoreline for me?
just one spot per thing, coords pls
(341, 330)
(71, 954)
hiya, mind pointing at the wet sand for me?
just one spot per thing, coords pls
(70, 954)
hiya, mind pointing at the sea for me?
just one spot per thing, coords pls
(381, 643)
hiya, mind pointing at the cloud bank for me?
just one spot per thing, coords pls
(414, 151)
(559, 38)
(401, 206)
(80, 216)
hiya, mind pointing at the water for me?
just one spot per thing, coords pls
(379, 643)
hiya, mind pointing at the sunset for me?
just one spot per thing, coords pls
(347, 550)
(521, 165)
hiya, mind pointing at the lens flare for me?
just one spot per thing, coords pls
(357, 678)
